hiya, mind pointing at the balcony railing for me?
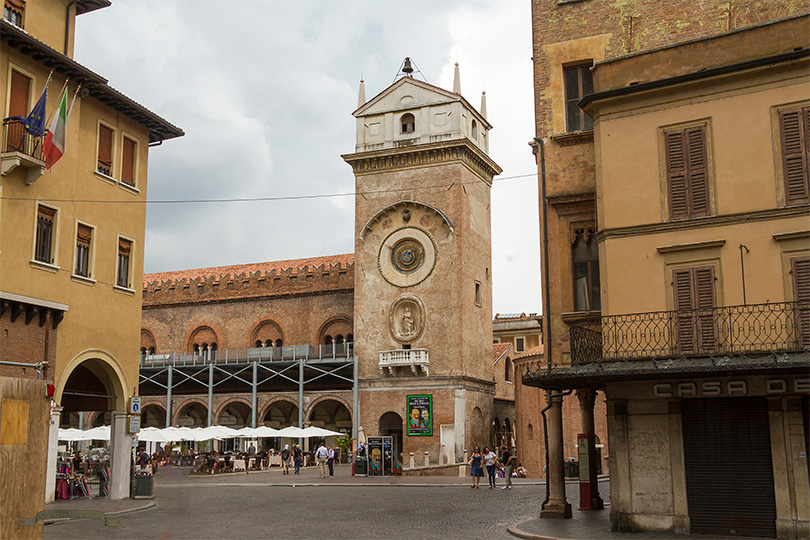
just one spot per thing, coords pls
(749, 329)
(16, 139)
(412, 358)
(21, 149)
(290, 353)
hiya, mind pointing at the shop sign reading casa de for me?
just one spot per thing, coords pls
(736, 387)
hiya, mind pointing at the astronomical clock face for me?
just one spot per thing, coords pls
(407, 256)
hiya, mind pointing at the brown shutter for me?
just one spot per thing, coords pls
(84, 235)
(676, 174)
(698, 172)
(128, 163)
(793, 128)
(46, 213)
(105, 146)
(705, 304)
(124, 246)
(800, 268)
(20, 89)
(684, 306)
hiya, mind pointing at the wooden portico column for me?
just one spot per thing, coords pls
(557, 506)
(587, 399)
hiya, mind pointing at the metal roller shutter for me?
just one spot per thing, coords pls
(729, 473)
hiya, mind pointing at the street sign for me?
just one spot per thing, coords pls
(135, 405)
(134, 423)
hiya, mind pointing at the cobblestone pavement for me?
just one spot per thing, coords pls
(266, 505)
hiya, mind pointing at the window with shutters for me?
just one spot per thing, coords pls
(578, 82)
(105, 151)
(84, 238)
(585, 267)
(687, 168)
(46, 234)
(520, 344)
(13, 11)
(695, 319)
(794, 134)
(128, 162)
(124, 263)
(800, 270)
(408, 123)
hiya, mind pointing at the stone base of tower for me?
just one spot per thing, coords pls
(459, 417)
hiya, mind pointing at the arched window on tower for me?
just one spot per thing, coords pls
(408, 123)
(474, 130)
(327, 340)
(279, 343)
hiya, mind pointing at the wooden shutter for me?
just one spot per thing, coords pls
(84, 235)
(705, 304)
(676, 174)
(46, 213)
(793, 127)
(800, 268)
(684, 306)
(128, 163)
(698, 171)
(105, 146)
(124, 246)
(20, 89)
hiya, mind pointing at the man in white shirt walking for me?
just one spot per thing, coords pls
(322, 454)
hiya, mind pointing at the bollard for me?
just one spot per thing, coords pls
(465, 455)
(413, 463)
(427, 459)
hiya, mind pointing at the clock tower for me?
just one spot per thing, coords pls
(423, 279)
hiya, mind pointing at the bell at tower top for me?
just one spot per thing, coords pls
(414, 112)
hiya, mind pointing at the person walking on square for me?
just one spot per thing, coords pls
(330, 460)
(489, 461)
(298, 457)
(477, 470)
(322, 454)
(285, 459)
(506, 461)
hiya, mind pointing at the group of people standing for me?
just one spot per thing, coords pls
(294, 455)
(490, 460)
(326, 458)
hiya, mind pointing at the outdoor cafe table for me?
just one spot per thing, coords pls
(275, 460)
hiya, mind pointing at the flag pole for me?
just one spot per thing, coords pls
(58, 99)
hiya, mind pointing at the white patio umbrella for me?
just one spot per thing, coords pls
(101, 433)
(313, 431)
(178, 433)
(361, 435)
(292, 432)
(261, 431)
(214, 432)
(153, 434)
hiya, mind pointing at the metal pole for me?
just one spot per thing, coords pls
(253, 398)
(742, 270)
(169, 398)
(355, 401)
(210, 392)
(300, 397)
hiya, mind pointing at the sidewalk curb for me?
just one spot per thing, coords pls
(514, 530)
(148, 506)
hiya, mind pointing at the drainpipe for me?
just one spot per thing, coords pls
(742, 269)
(546, 277)
(67, 24)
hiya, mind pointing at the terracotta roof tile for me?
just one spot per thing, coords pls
(534, 351)
(498, 350)
(236, 269)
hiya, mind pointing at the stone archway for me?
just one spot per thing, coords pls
(235, 413)
(267, 333)
(153, 415)
(280, 413)
(391, 424)
(332, 413)
(192, 413)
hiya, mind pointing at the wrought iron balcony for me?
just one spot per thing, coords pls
(21, 149)
(731, 330)
(291, 353)
(412, 358)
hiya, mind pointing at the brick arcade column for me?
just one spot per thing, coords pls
(557, 506)
(587, 400)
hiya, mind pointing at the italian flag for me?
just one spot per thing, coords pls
(55, 141)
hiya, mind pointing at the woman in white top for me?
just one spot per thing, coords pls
(489, 460)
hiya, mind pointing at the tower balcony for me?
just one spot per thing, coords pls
(21, 149)
(412, 358)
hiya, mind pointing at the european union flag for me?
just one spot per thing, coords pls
(35, 123)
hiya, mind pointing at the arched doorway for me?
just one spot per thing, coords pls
(391, 424)
(153, 416)
(281, 414)
(333, 415)
(192, 414)
(496, 438)
(235, 415)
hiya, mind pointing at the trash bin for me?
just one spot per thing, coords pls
(361, 467)
(144, 485)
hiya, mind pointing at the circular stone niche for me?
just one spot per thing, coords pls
(407, 257)
(406, 318)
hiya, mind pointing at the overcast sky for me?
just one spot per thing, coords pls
(264, 91)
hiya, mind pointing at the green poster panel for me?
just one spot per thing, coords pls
(420, 415)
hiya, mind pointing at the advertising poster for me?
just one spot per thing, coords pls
(375, 456)
(420, 415)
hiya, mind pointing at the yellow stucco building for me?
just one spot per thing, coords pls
(72, 236)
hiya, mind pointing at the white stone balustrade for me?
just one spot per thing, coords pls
(411, 358)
